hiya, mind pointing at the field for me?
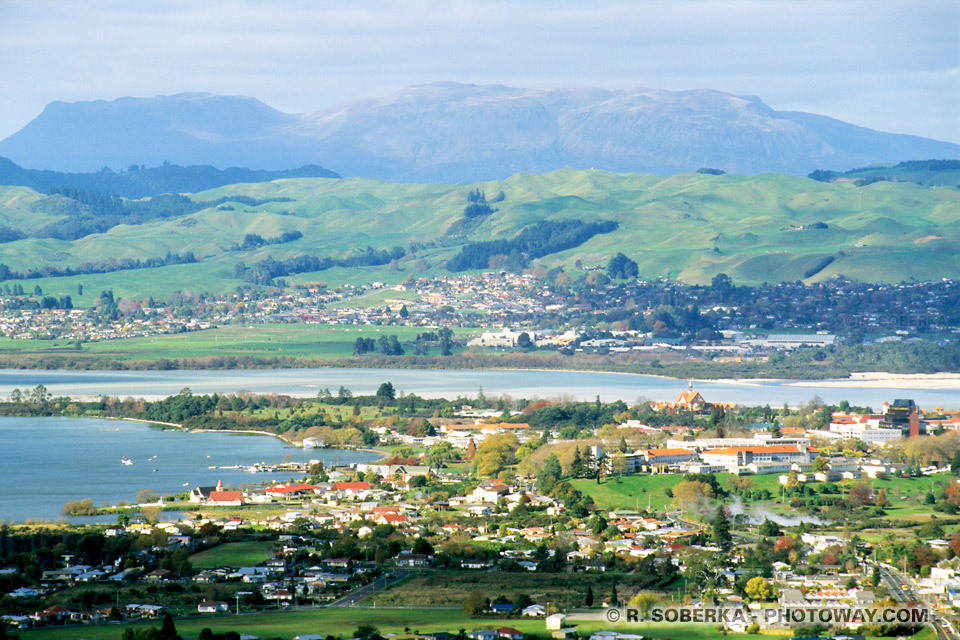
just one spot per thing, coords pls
(290, 340)
(343, 622)
(690, 227)
(446, 588)
(637, 492)
(233, 554)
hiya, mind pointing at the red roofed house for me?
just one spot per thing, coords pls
(509, 633)
(391, 518)
(290, 489)
(352, 487)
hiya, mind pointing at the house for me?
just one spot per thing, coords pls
(482, 634)
(412, 560)
(490, 492)
(213, 606)
(391, 518)
(568, 633)
(534, 611)
(225, 498)
(555, 621)
(509, 633)
(503, 608)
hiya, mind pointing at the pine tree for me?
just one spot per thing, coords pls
(576, 467)
(588, 597)
(955, 463)
(614, 601)
(720, 528)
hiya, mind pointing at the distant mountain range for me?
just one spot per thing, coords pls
(449, 132)
(140, 182)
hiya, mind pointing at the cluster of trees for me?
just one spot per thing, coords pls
(102, 266)
(477, 204)
(621, 267)
(535, 241)
(255, 240)
(264, 271)
(386, 345)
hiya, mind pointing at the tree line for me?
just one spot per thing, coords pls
(264, 271)
(535, 241)
(101, 266)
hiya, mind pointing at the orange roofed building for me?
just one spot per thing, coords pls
(692, 401)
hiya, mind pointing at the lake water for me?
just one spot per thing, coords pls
(44, 462)
(452, 383)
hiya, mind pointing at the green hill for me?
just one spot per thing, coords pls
(770, 227)
(939, 173)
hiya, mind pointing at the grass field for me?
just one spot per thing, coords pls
(291, 340)
(690, 226)
(233, 554)
(639, 491)
(343, 622)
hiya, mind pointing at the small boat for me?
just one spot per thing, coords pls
(186, 484)
(126, 460)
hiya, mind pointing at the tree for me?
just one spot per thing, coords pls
(476, 603)
(720, 528)
(955, 463)
(576, 466)
(168, 629)
(622, 267)
(614, 600)
(524, 341)
(366, 631)
(644, 601)
(385, 391)
(588, 596)
(759, 588)
(881, 500)
(445, 337)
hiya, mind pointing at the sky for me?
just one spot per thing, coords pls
(891, 65)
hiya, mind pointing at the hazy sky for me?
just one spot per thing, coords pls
(892, 65)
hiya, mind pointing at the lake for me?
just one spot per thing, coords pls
(450, 383)
(44, 462)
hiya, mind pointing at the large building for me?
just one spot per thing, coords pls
(657, 459)
(762, 459)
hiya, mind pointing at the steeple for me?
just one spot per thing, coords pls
(219, 485)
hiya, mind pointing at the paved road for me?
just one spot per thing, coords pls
(367, 590)
(902, 589)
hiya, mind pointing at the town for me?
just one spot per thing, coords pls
(542, 304)
(482, 511)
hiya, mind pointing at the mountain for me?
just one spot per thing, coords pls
(689, 227)
(141, 182)
(449, 132)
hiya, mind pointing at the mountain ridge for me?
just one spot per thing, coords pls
(451, 132)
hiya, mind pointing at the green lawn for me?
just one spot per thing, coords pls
(636, 492)
(345, 621)
(259, 340)
(233, 554)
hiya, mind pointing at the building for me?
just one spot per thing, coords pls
(765, 459)
(490, 492)
(657, 459)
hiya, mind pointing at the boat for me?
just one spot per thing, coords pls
(126, 460)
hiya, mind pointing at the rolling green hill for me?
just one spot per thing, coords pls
(770, 227)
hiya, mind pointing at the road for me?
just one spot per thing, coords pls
(367, 590)
(902, 589)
